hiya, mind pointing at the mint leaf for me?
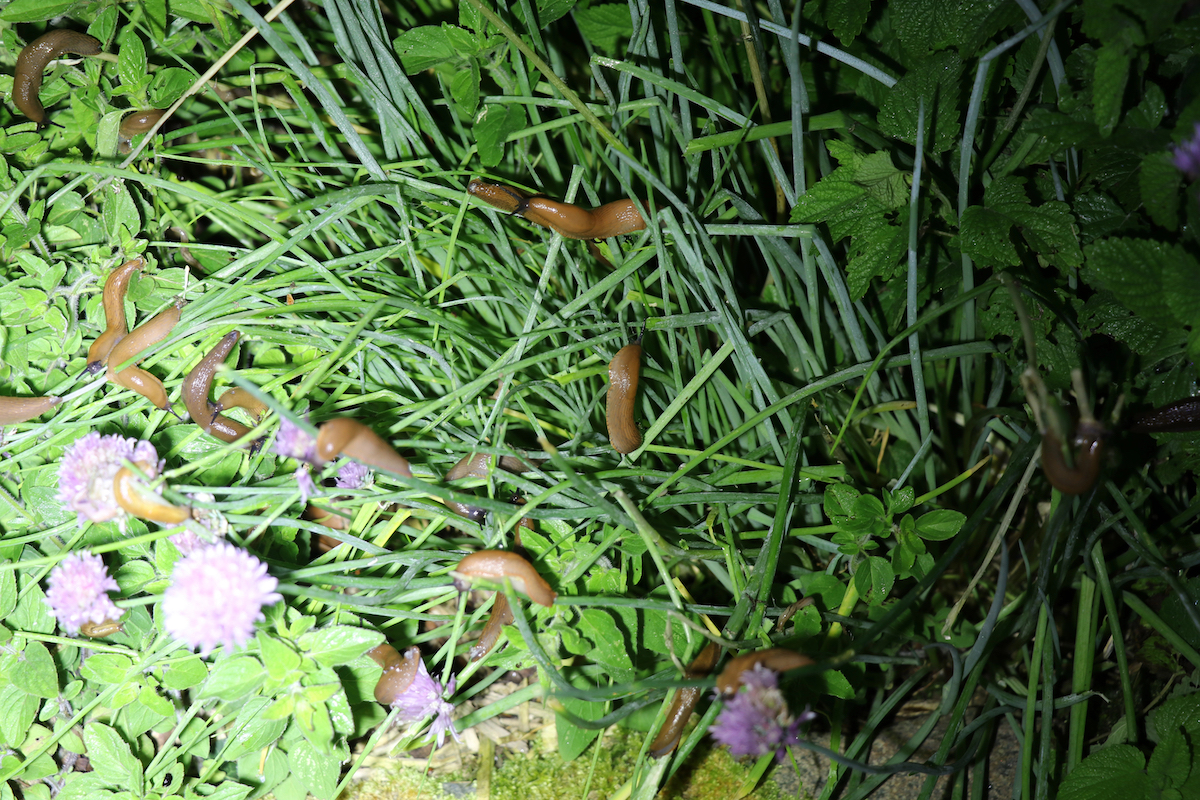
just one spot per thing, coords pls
(1171, 761)
(1048, 230)
(605, 24)
(1112, 772)
(936, 81)
(611, 643)
(338, 644)
(1108, 87)
(846, 17)
(1133, 270)
(111, 757)
(492, 129)
(939, 525)
(1159, 180)
(874, 579)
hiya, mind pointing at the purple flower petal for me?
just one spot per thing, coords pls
(352, 475)
(1186, 155)
(77, 589)
(292, 441)
(756, 720)
(423, 699)
(87, 469)
(216, 595)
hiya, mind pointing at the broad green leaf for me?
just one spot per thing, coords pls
(492, 128)
(874, 579)
(35, 672)
(234, 678)
(612, 645)
(605, 24)
(939, 525)
(1114, 772)
(318, 771)
(338, 644)
(107, 668)
(936, 80)
(1108, 85)
(111, 757)
(1047, 230)
(846, 18)
(1133, 270)
(35, 10)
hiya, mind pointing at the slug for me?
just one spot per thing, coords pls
(146, 335)
(31, 67)
(478, 465)
(195, 393)
(776, 658)
(98, 630)
(623, 432)
(499, 564)
(684, 702)
(22, 409)
(344, 436)
(501, 615)
(1178, 417)
(134, 124)
(129, 498)
(398, 671)
(237, 397)
(1089, 445)
(115, 326)
(573, 222)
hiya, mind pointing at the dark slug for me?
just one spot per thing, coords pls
(31, 67)
(572, 221)
(684, 702)
(1089, 447)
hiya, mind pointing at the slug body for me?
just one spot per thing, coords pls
(237, 397)
(139, 339)
(399, 671)
(623, 370)
(134, 502)
(136, 123)
(22, 409)
(572, 221)
(115, 326)
(195, 393)
(684, 702)
(344, 436)
(31, 67)
(98, 630)
(1178, 417)
(496, 565)
(776, 658)
(501, 615)
(1089, 446)
(478, 465)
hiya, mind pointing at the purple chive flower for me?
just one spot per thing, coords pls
(216, 595)
(77, 592)
(303, 478)
(756, 720)
(423, 699)
(352, 475)
(292, 441)
(85, 475)
(1187, 155)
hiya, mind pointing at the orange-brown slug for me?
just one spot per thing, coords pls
(138, 340)
(501, 615)
(496, 565)
(398, 671)
(344, 436)
(115, 325)
(125, 490)
(135, 123)
(775, 658)
(1089, 446)
(572, 221)
(98, 630)
(196, 387)
(684, 702)
(22, 409)
(623, 371)
(31, 67)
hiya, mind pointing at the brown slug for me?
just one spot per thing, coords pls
(623, 370)
(139, 339)
(140, 505)
(196, 387)
(344, 436)
(775, 658)
(23, 409)
(31, 67)
(684, 702)
(611, 219)
(497, 565)
(478, 465)
(501, 615)
(398, 671)
(1089, 447)
(115, 325)
(134, 123)
(98, 630)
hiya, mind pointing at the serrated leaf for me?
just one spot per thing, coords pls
(234, 678)
(605, 24)
(1178, 712)
(338, 644)
(846, 17)
(319, 772)
(35, 672)
(107, 668)
(1171, 761)
(1133, 270)
(936, 81)
(112, 758)
(1159, 181)
(252, 731)
(492, 128)
(277, 656)
(131, 59)
(1112, 772)
(1108, 85)
(423, 47)
(986, 231)
(185, 673)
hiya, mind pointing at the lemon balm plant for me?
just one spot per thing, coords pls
(829, 399)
